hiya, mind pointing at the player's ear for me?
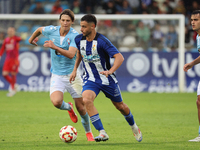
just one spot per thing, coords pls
(93, 25)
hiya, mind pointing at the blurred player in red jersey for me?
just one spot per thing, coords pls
(11, 64)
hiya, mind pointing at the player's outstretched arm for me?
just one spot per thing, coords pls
(117, 63)
(33, 39)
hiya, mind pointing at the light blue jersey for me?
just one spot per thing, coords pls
(198, 42)
(61, 65)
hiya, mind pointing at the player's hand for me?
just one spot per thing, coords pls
(49, 44)
(34, 42)
(72, 76)
(106, 73)
(187, 66)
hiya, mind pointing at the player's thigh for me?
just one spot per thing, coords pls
(88, 96)
(56, 97)
(11, 66)
(75, 87)
(113, 92)
(57, 88)
(90, 91)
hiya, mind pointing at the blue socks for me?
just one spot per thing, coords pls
(96, 121)
(129, 119)
(85, 120)
(65, 106)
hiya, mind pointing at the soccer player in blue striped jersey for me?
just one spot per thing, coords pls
(195, 21)
(63, 55)
(95, 51)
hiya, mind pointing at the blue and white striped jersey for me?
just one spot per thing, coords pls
(96, 56)
(198, 42)
(60, 65)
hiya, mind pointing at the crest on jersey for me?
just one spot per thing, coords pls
(94, 47)
(68, 41)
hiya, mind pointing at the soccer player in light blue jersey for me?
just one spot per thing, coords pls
(195, 21)
(95, 51)
(63, 55)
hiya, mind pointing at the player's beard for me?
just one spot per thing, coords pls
(87, 34)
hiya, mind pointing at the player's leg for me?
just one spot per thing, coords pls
(85, 119)
(113, 92)
(13, 72)
(90, 91)
(198, 108)
(11, 67)
(124, 109)
(6, 70)
(14, 79)
(7, 77)
(88, 98)
(75, 88)
(57, 89)
(197, 139)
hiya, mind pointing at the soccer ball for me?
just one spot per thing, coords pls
(68, 134)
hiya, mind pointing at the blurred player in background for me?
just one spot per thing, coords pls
(11, 64)
(95, 50)
(195, 21)
(63, 55)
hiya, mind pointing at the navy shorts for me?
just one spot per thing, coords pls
(111, 91)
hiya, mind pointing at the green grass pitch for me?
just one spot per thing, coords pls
(29, 121)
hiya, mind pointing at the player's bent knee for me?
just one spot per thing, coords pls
(56, 103)
(119, 106)
(86, 101)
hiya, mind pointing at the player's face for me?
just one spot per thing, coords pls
(86, 28)
(11, 32)
(195, 22)
(65, 22)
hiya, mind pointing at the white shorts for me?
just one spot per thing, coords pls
(61, 83)
(198, 88)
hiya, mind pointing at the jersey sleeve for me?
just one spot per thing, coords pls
(73, 43)
(109, 47)
(47, 30)
(18, 39)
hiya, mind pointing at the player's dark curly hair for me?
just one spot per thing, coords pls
(69, 13)
(89, 18)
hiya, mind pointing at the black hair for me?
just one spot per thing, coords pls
(90, 19)
(196, 12)
(69, 13)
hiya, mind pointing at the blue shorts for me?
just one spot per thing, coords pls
(111, 91)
